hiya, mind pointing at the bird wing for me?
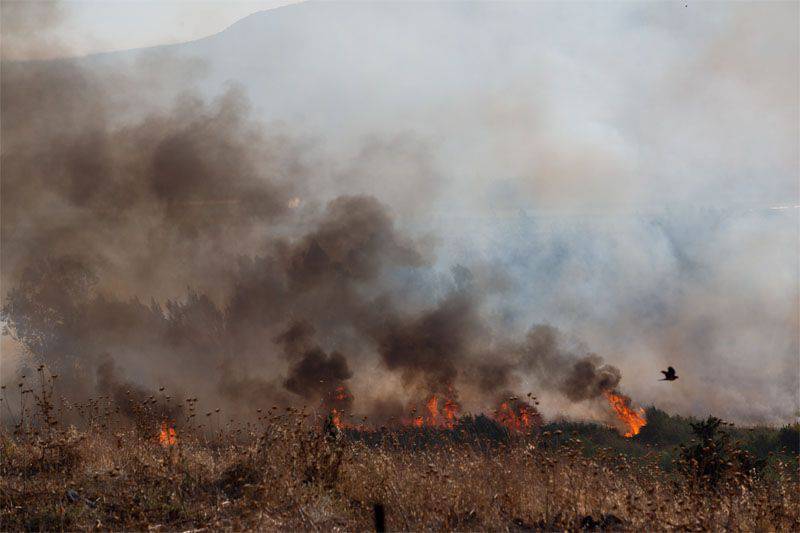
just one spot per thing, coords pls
(670, 370)
(664, 372)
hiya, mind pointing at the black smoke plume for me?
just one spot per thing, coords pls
(312, 373)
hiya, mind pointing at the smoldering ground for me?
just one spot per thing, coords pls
(114, 202)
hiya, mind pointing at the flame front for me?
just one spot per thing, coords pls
(167, 436)
(440, 414)
(621, 404)
(446, 418)
(517, 415)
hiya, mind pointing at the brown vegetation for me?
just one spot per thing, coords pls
(290, 471)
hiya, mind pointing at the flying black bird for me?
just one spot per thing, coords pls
(669, 374)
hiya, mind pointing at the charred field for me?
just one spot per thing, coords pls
(289, 469)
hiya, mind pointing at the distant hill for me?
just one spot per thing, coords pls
(362, 65)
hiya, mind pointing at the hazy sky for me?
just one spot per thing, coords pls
(90, 26)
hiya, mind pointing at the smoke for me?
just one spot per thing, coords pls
(156, 231)
(29, 29)
(155, 196)
(354, 240)
(131, 400)
(308, 376)
(579, 376)
(428, 349)
(312, 372)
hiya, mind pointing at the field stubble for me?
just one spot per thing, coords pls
(290, 471)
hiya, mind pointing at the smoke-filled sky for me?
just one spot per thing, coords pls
(463, 199)
(97, 26)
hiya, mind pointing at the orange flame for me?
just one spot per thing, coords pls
(451, 410)
(445, 418)
(336, 418)
(517, 415)
(340, 397)
(433, 409)
(622, 407)
(167, 436)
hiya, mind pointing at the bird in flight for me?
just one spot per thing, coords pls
(669, 374)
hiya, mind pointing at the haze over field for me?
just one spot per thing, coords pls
(468, 199)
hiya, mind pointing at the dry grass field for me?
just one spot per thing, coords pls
(290, 471)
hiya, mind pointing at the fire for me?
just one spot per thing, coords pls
(441, 411)
(622, 407)
(341, 394)
(337, 401)
(447, 417)
(433, 408)
(517, 415)
(439, 414)
(336, 418)
(167, 436)
(451, 410)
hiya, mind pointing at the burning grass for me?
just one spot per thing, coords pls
(291, 471)
(633, 420)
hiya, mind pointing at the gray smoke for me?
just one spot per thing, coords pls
(609, 176)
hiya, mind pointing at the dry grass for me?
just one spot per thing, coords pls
(287, 474)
